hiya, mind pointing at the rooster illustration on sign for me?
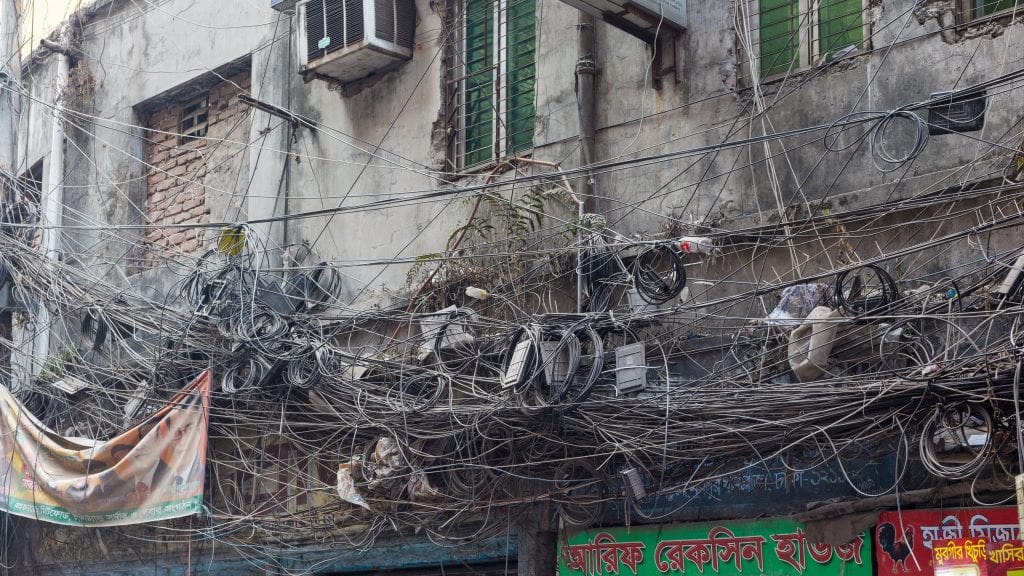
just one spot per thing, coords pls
(897, 549)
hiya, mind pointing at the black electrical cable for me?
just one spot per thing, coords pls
(659, 274)
(851, 299)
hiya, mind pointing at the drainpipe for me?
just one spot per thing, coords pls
(53, 199)
(10, 74)
(586, 88)
(586, 101)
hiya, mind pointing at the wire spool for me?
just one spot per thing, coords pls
(883, 158)
(244, 376)
(262, 329)
(865, 291)
(303, 372)
(539, 450)
(93, 328)
(577, 390)
(463, 473)
(924, 348)
(965, 431)
(499, 451)
(314, 288)
(458, 357)
(416, 393)
(659, 274)
(581, 347)
(580, 492)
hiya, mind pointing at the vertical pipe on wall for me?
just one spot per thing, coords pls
(586, 101)
(53, 198)
(10, 73)
(586, 92)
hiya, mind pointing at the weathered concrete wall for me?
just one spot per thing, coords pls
(183, 173)
(380, 141)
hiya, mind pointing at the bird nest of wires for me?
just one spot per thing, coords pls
(457, 420)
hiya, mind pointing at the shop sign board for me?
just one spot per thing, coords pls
(905, 540)
(777, 547)
(977, 557)
(960, 557)
(1006, 558)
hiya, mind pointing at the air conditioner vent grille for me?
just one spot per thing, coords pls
(396, 21)
(344, 26)
(405, 26)
(385, 19)
(348, 40)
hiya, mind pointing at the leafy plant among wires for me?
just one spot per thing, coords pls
(507, 220)
(503, 227)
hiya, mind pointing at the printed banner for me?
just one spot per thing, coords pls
(977, 557)
(960, 557)
(778, 547)
(1006, 558)
(152, 472)
(904, 540)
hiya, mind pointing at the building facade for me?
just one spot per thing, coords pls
(212, 156)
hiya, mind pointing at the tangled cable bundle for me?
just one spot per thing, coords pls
(455, 415)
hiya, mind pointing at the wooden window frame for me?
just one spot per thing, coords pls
(194, 122)
(965, 13)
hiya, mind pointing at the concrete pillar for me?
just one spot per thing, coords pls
(537, 544)
(272, 72)
(10, 73)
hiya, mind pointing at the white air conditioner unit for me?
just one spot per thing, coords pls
(642, 18)
(351, 39)
(282, 5)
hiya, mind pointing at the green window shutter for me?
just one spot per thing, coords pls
(779, 27)
(478, 94)
(993, 6)
(522, 74)
(840, 24)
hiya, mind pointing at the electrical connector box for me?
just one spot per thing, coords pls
(456, 332)
(70, 385)
(518, 366)
(956, 113)
(637, 305)
(630, 368)
(211, 299)
(634, 483)
(556, 362)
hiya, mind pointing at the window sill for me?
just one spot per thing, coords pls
(192, 143)
(493, 168)
(1003, 18)
(798, 73)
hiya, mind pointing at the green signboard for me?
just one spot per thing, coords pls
(778, 547)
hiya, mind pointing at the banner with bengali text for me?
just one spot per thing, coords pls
(776, 547)
(154, 471)
(904, 540)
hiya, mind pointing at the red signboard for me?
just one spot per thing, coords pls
(904, 540)
(960, 557)
(1006, 558)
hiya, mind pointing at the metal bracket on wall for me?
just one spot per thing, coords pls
(667, 58)
(295, 120)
